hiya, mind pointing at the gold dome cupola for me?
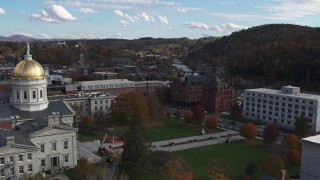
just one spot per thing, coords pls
(28, 69)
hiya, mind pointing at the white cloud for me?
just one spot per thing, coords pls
(54, 13)
(187, 9)
(228, 28)
(87, 10)
(127, 18)
(228, 3)
(2, 11)
(118, 13)
(146, 17)
(197, 25)
(124, 23)
(163, 20)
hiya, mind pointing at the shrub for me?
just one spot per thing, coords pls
(248, 131)
(212, 122)
(294, 157)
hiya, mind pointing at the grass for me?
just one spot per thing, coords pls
(70, 172)
(237, 154)
(164, 129)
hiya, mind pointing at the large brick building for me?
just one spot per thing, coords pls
(218, 96)
(213, 94)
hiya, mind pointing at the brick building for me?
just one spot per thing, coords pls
(218, 96)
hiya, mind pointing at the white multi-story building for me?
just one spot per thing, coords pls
(282, 107)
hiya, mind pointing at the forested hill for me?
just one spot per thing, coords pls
(275, 52)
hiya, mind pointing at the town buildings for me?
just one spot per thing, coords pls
(282, 107)
(36, 134)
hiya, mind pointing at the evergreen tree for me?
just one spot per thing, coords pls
(135, 163)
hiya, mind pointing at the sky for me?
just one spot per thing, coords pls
(132, 19)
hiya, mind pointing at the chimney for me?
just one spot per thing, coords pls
(53, 120)
(10, 140)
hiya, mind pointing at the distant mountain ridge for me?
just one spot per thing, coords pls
(16, 38)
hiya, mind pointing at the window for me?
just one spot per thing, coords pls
(33, 94)
(311, 102)
(95, 102)
(40, 93)
(11, 159)
(65, 144)
(54, 146)
(106, 101)
(66, 158)
(20, 158)
(41, 148)
(25, 96)
(100, 101)
(101, 108)
(29, 168)
(18, 95)
(11, 170)
(2, 172)
(43, 162)
(95, 108)
(2, 161)
(29, 156)
(21, 170)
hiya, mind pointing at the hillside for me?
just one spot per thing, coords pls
(275, 52)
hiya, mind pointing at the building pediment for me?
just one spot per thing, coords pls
(53, 130)
(15, 149)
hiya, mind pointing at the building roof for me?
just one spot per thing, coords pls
(8, 112)
(18, 138)
(313, 139)
(278, 92)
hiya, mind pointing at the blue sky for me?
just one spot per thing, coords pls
(132, 19)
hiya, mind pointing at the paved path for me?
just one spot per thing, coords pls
(203, 140)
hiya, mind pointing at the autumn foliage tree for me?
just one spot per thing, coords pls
(87, 120)
(127, 107)
(154, 107)
(188, 116)
(212, 122)
(176, 169)
(270, 134)
(291, 141)
(294, 157)
(273, 166)
(198, 113)
(219, 170)
(248, 131)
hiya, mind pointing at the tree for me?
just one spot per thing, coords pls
(219, 170)
(178, 114)
(188, 116)
(212, 122)
(154, 107)
(302, 125)
(248, 131)
(198, 113)
(291, 141)
(176, 169)
(127, 107)
(98, 116)
(270, 134)
(163, 94)
(294, 157)
(87, 171)
(273, 166)
(135, 161)
(87, 120)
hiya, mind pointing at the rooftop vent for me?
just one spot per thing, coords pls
(34, 124)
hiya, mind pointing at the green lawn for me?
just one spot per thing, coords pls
(164, 129)
(236, 154)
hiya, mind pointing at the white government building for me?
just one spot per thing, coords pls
(36, 134)
(282, 107)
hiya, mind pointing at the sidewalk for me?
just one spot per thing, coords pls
(203, 140)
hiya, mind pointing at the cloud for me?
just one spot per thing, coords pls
(187, 9)
(129, 18)
(118, 13)
(226, 28)
(164, 21)
(146, 17)
(53, 14)
(2, 11)
(124, 23)
(87, 10)
(228, 3)
(196, 25)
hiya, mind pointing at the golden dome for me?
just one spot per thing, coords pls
(28, 69)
